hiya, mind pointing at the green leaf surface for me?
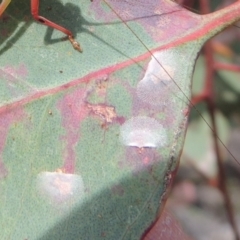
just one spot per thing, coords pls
(89, 142)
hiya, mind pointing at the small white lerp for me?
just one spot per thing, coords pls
(142, 131)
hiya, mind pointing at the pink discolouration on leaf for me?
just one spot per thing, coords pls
(167, 110)
(6, 120)
(146, 161)
(170, 18)
(13, 77)
(12, 74)
(139, 158)
(74, 111)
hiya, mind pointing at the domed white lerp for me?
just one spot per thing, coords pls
(60, 187)
(143, 131)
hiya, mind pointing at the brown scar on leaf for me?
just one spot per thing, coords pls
(105, 112)
(102, 84)
(141, 150)
(60, 170)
